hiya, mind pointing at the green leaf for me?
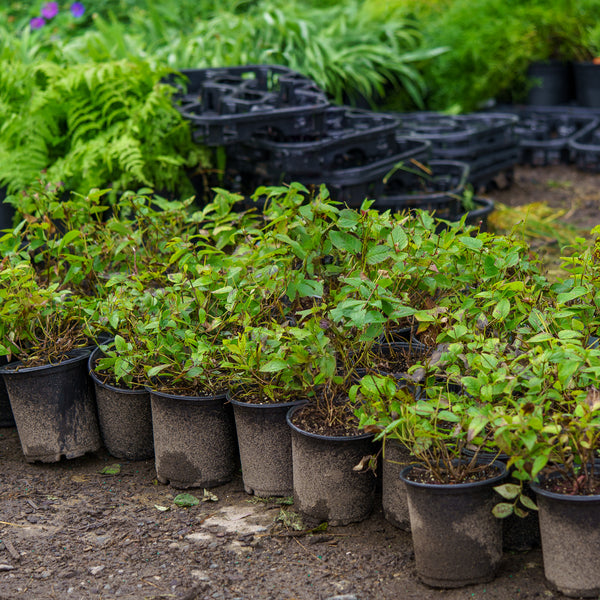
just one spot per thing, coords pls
(472, 242)
(186, 500)
(569, 334)
(274, 365)
(541, 337)
(520, 512)
(446, 415)
(345, 241)
(527, 502)
(398, 238)
(120, 344)
(114, 469)
(377, 254)
(348, 218)
(501, 309)
(568, 296)
(156, 370)
(538, 464)
(475, 427)
(68, 238)
(508, 490)
(309, 288)
(502, 510)
(566, 369)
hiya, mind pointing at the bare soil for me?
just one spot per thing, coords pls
(70, 532)
(575, 193)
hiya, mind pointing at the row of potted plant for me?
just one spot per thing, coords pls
(360, 327)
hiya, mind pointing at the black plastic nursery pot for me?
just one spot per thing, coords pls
(265, 444)
(552, 83)
(194, 440)
(54, 408)
(570, 531)
(124, 417)
(6, 415)
(394, 498)
(7, 211)
(519, 534)
(587, 84)
(326, 488)
(456, 538)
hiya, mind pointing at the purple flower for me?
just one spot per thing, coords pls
(49, 10)
(77, 9)
(37, 23)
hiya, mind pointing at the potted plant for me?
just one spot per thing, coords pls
(264, 364)
(552, 436)
(586, 67)
(44, 329)
(445, 487)
(194, 432)
(117, 367)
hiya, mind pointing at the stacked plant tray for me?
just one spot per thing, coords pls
(437, 187)
(488, 142)
(585, 148)
(477, 214)
(546, 132)
(275, 126)
(351, 155)
(228, 105)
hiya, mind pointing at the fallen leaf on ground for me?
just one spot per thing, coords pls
(111, 469)
(186, 500)
(209, 497)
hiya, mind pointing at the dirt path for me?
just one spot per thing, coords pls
(573, 192)
(69, 531)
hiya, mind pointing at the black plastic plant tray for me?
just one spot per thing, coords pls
(461, 137)
(228, 105)
(352, 185)
(260, 78)
(416, 181)
(487, 167)
(269, 117)
(544, 135)
(585, 149)
(478, 217)
(350, 137)
(249, 159)
(443, 206)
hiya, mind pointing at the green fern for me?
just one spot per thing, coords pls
(97, 125)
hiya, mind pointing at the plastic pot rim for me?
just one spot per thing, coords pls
(15, 368)
(455, 487)
(331, 438)
(578, 498)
